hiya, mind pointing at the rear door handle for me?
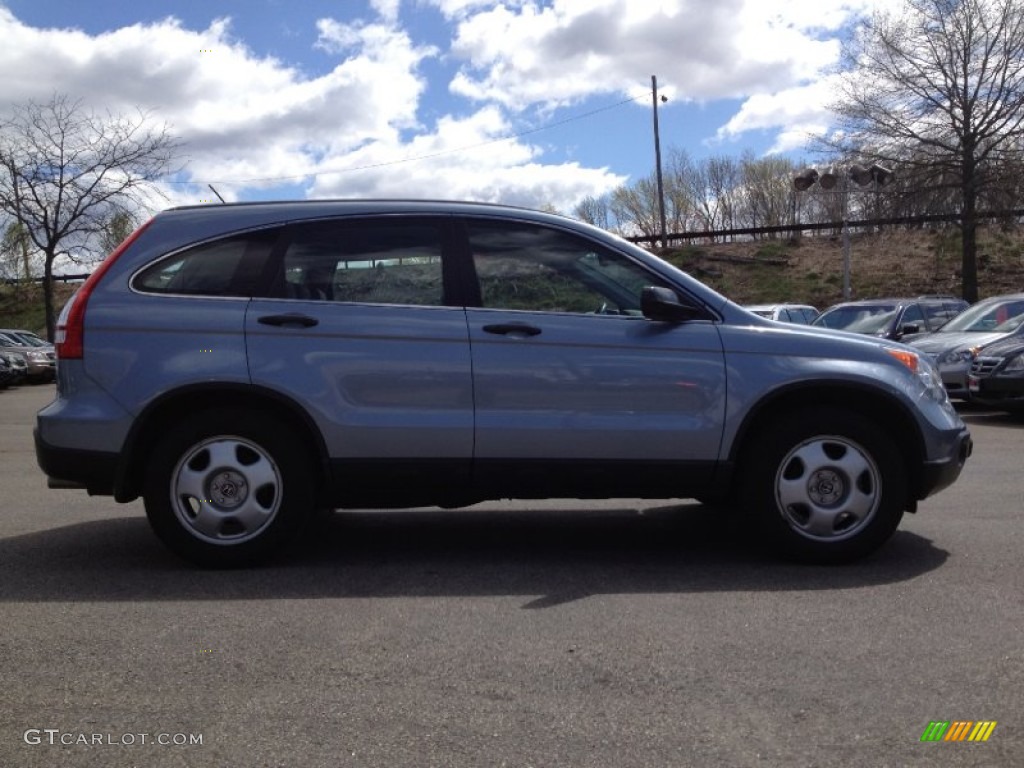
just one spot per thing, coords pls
(290, 319)
(512, 329)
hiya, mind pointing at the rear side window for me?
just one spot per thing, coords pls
(378, 261)
(232, 266)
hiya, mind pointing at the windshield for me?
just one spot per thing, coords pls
(985, 317)
(30, 339)
(1010, 325)
(858, 319)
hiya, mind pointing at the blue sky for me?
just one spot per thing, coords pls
(534, 103)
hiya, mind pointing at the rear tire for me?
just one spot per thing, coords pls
(824, 485)
(228, 488)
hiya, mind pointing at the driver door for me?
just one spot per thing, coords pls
(572, 385)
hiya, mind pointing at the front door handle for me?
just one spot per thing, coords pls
(289, 319)
(512, 329)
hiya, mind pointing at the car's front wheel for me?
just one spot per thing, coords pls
(228, 488)
(824, 485)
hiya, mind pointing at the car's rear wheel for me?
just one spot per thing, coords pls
(228, 488)
(824, 485)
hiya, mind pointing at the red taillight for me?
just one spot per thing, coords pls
(68, 339)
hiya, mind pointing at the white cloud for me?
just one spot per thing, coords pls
(245, 116)
(467, 159)
(253, 118)
(802, 112)
(455, 9)
(567, 50)
(387, 9)
(523, 54)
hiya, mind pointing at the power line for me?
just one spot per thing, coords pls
(371, 166)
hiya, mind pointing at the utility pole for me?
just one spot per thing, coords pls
(657, 161)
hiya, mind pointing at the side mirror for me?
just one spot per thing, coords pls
(908, 328)
(663, 305)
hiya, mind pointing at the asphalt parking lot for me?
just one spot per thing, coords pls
(621, 633)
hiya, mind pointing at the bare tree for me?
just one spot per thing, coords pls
(15, 248)
(713, 186)
(681, 206)
(635, 207)
(594, 210)
(65, 171)
(938, 85)
(767, 190)
(115, 228)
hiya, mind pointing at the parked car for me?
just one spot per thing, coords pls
(803, 314)
(16, 364)
(238, 366)
(895, 319)
(27, 337)
(954, 346)
(997, 374)
(42, 361)
(6, 373)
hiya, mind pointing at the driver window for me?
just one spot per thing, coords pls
(913, 316)
(538, 269)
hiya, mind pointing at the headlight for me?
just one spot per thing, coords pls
(954, 356)
(926, 373)
(36, 356)
(1015, 364)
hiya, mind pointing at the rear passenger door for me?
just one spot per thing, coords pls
(359, 330)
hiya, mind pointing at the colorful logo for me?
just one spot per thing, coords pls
(958, 730)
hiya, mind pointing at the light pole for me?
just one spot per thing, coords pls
(828, 180)
(657, 160)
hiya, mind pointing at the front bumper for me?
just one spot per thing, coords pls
(942, 473)
(997, 387)
(954, 378)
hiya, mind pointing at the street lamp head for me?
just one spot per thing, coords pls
(829, 179)
(881, 176)
(805, 179)
(860, 174)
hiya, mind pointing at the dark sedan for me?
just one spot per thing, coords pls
(997, 375)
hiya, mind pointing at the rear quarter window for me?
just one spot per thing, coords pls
(231, 266)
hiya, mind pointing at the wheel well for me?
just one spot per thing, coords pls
(869, 404)
(158, 417)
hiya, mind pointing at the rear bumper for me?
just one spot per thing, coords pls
(76, 468)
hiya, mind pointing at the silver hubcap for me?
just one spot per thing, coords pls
(226, 490)
(828, 488)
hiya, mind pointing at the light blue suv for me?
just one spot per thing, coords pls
(239, 366)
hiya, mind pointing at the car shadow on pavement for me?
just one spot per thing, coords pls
(976, 414)
(550, 557)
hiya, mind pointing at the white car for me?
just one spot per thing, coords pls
(803, 314)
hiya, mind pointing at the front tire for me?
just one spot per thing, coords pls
(824, 485)
(228, 488)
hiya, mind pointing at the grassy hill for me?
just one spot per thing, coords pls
(806, 270)
(22, 306)
(809, 269)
